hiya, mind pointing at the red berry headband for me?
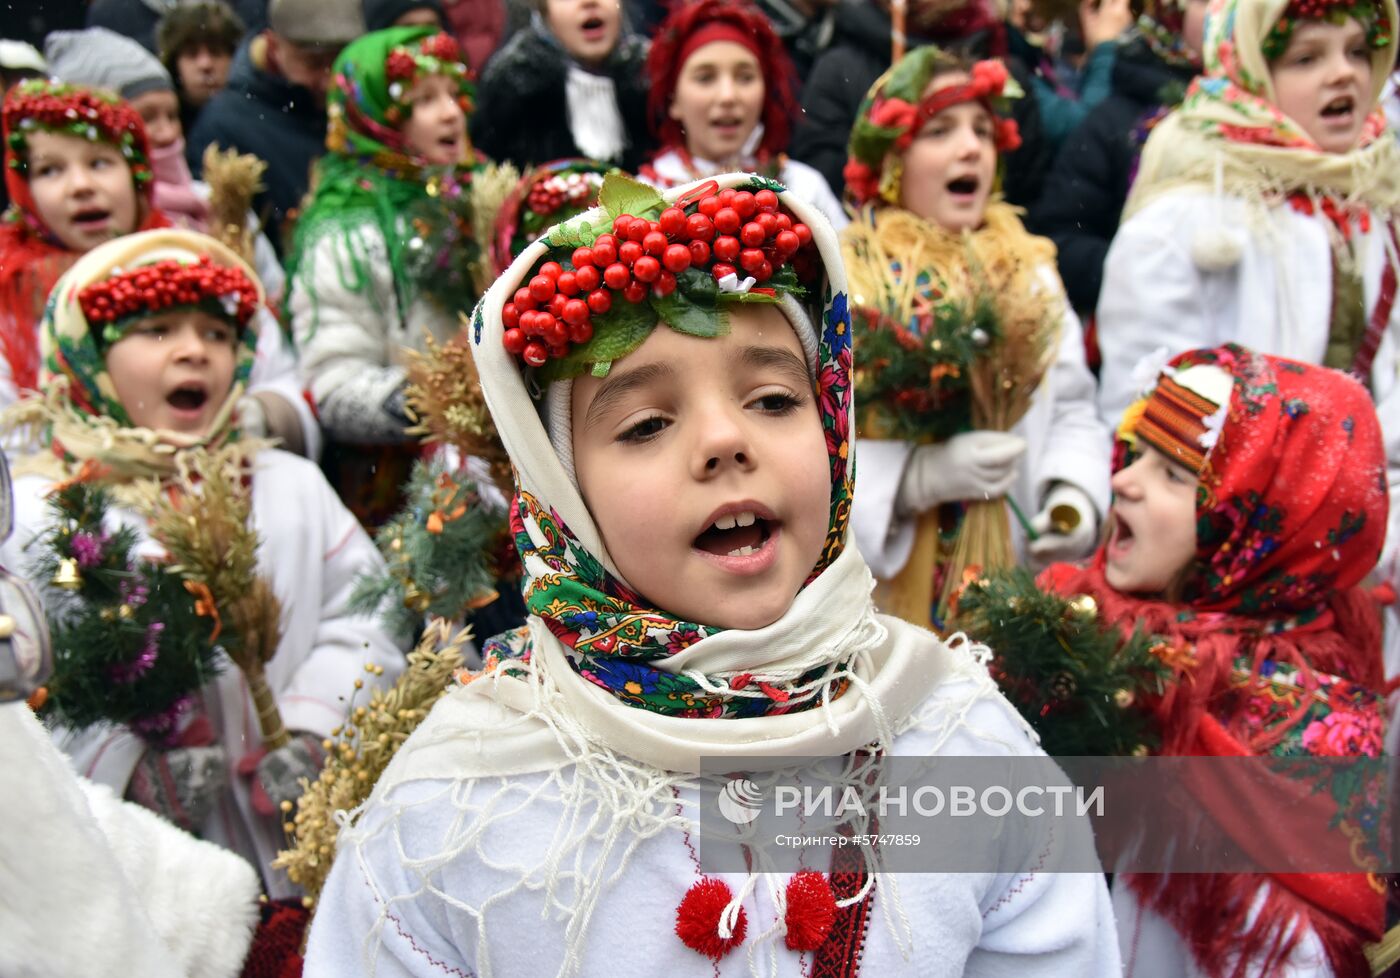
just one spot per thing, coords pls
(598, 293)
(36, 105)
(115, 302)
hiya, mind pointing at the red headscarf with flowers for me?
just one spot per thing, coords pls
(895, 109)
(32, 260)
(690, 27)
(1291, 513)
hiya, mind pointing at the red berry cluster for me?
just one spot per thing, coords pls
(168, 284)
(547, 196)
(77, 111)
(400, 66)
(743, 233)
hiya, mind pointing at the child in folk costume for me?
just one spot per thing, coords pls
(682, 512)
(1265, 209)
(78, 171)
(366, 277)
(923, 169)
(1251, 506)
(721, 100)
(146, 357)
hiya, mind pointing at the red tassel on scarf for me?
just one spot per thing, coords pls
(811, 910)
(697, 918)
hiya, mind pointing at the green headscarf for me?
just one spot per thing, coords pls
(369, 176)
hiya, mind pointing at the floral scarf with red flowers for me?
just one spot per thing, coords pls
(1229, 134)
(31, 258)
(1277, 646)
(895, 109)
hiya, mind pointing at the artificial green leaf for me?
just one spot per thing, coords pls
(686, 316)
(616, 333)
(758, 182)
(623, 195)
(747, 298)
(697, 285)
(577, 233)
(871, 142)
(907, 80)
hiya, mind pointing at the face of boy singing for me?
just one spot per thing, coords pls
(704, 466)
(436, 129)
(718, 100)
(82, 190)
(1322, 81)
(586, 29)
(951, 164)
(173, 372)
(1153, 523)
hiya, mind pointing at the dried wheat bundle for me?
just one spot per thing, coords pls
(491, 185)
(203, 522)
(234, 179)
(444, 400)
(359, 752)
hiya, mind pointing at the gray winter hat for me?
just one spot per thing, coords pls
(100, 58)
(317, 23)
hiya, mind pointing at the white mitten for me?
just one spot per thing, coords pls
(1068, 525)
(973, 465)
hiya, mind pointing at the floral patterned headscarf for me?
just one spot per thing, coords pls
(83, 417)
(1229, 133)
(608, 633)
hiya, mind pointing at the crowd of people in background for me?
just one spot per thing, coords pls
(1196, 202)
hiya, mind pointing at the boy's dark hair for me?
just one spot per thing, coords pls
(210, 22)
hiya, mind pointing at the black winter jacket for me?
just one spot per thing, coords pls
(522, 112)
(1082, 202)
(844, 72)
(263, 114)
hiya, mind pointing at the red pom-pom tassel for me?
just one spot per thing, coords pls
(811, 910)
(697, 918)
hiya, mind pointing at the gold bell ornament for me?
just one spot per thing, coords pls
(67, 576)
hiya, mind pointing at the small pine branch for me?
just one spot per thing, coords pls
(1078, 682)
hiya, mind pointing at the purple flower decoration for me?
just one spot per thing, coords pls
(128, 672)
(86, 548)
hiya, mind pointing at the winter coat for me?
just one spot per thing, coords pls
(1067, 443)
(522, 113)
(844, 73)
(350, 335)
(1064, 105)
(1084, 192)
(280, 123)
(153, 900)
(313, 551)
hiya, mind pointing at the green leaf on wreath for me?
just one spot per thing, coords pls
(576, 233)
(870, 142)
(689, 316)
(623, 195)
(759, 182)
(616, 333)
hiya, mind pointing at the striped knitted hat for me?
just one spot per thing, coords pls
(1183, 415)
